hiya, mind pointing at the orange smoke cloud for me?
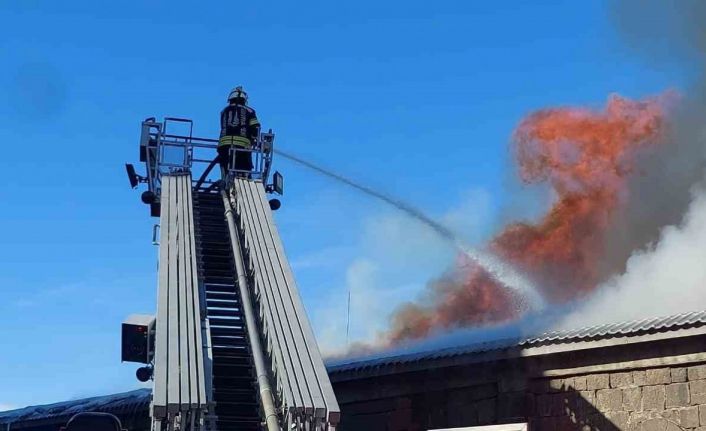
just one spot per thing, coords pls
(467, 296)
(585, 156)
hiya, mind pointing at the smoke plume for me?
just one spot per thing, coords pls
(655, 251)
(586, 157)
(625, 237)
(666, 278)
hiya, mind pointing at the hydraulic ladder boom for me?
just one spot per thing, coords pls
(234, 348)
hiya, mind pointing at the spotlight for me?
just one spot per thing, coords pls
(275, 204)
(144, 374)
(132, 175)
(278, 183)
(148, 197)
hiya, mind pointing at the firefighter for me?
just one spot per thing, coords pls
(239, 131)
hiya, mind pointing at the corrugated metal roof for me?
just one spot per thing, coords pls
(654, 324)
(119, 404)
(604, 331)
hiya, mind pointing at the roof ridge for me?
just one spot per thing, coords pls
(656, 321)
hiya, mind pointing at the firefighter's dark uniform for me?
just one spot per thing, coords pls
(240, 129)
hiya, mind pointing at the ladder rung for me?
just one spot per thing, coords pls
(217, 321)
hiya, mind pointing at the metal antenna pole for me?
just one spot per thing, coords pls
(268, 404)
(348, 321)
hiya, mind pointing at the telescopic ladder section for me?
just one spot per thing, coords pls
(234, 349)
(302, 384)
(180, 382)
(234, 391)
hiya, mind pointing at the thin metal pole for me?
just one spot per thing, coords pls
(263, 382)
(348, 321)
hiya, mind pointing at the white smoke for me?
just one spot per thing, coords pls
(668, 277)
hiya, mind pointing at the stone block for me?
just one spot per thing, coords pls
(470, 416)
(512, 383)
(565, 423)
(697, 373)
(403, 403)
(586, 402)
(702, 415)
(486, 411)
(569, 384)
(539, 386)
(458, 407)
(678, 375)
(567, 403)
(609, 400)
(654, 424)
(574, 422)
(653, 398)
(617, 419)
(580, 383)
(482, 392)
(547, 424)
(632, 399)
(633, 426)
(402, 419)
(658, 376)
(512, 406)
(597, 381)
(689, 417)
(454, 398)
(561, 404)
(598, 421)
(636, 419)
(677, 395)
(572, 403)
(556, 385)
(544, 405)
(530, 404)
(697, 391)
(639, 378)
(669, 414)
(457, 416)
(620, 380)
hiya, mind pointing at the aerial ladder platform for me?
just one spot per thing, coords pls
(231, 347)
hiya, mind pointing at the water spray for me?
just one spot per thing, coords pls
(498, 269)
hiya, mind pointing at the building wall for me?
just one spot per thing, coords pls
(668, 398)
(646, 399)
(661, 389)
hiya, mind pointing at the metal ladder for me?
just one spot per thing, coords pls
(234, 385)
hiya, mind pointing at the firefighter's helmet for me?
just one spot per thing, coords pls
(238, 95)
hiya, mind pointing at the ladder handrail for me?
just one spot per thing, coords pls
(263, 380)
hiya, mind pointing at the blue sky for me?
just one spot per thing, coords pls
(416, 98)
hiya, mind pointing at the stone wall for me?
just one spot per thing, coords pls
(641, 399)
(653, 399)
